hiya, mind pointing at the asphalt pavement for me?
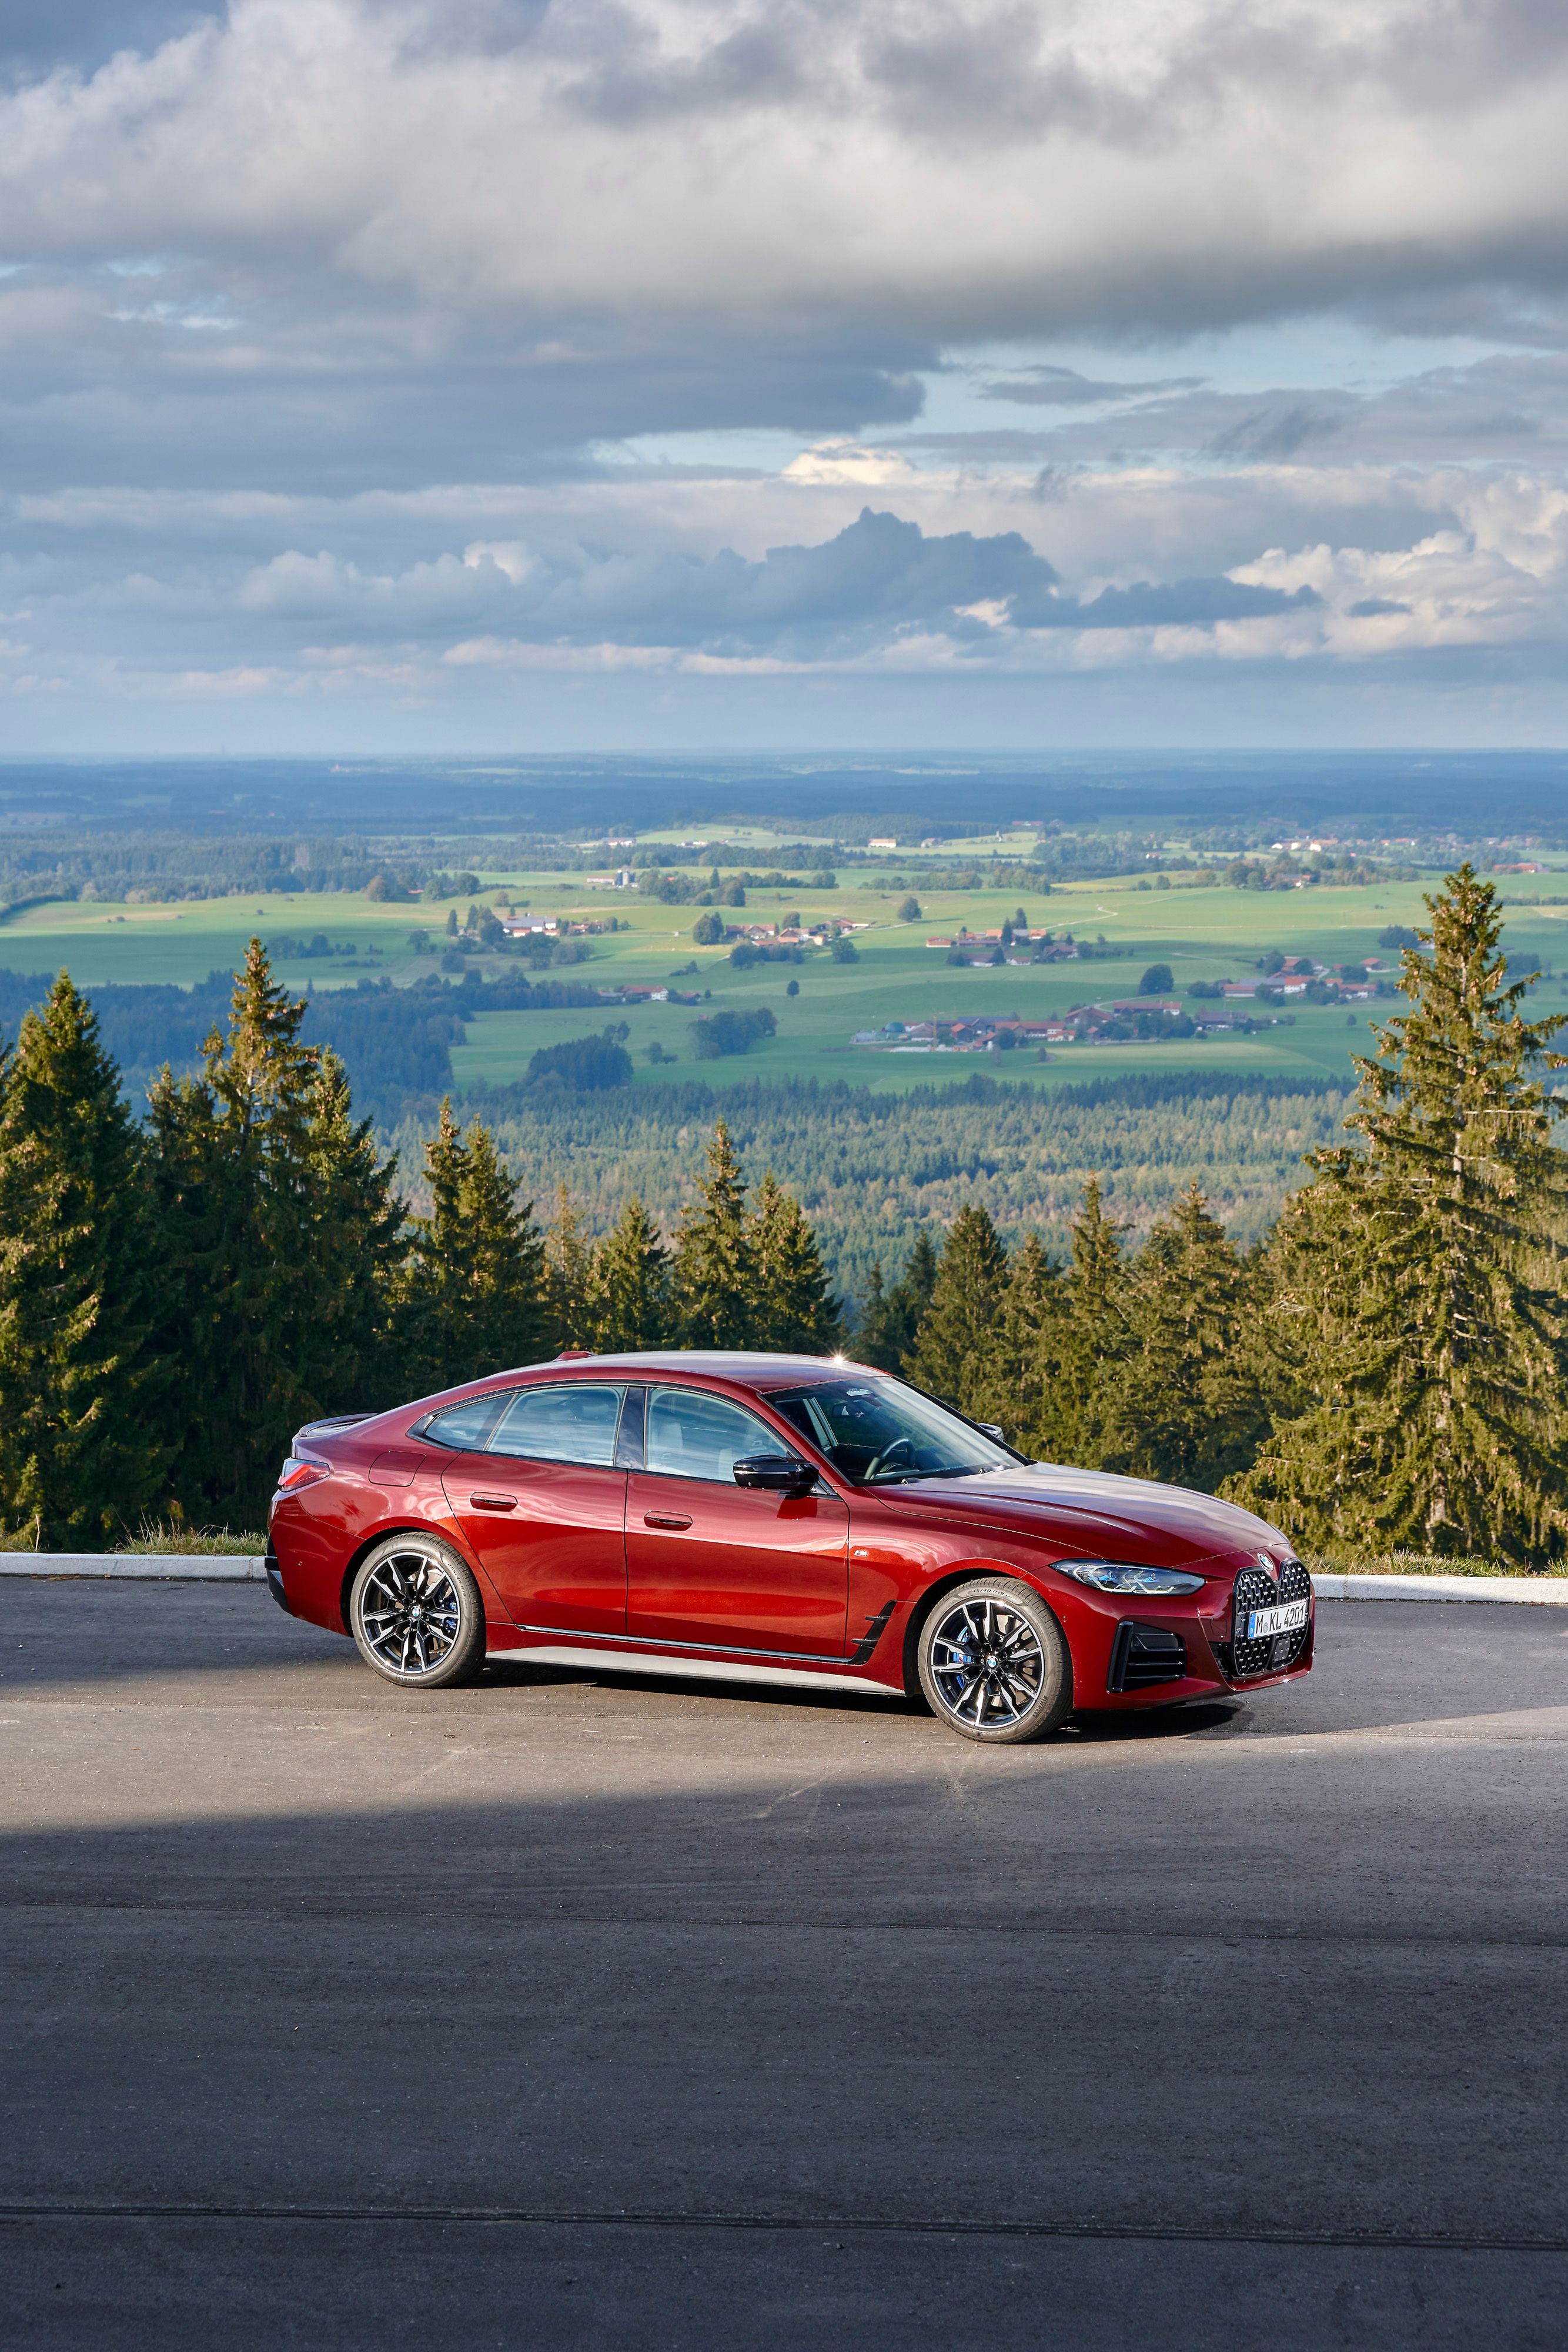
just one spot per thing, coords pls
(570, 2012)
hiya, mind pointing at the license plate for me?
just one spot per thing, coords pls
(1285, 1617)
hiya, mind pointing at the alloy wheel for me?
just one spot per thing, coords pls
(410, 1612)
(987, 1665)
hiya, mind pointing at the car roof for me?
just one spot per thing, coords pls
(737, 1367)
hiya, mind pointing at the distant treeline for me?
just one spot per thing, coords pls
(871, 1170)
(396, 1042)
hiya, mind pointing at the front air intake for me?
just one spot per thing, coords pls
(1144, 1655)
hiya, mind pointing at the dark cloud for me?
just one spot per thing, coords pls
(1063, 387)
(1374, 608)
(1178, 604)
(1276, 433)
(878, 576)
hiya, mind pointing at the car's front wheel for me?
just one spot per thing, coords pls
(416, 1615)
(994, 1663)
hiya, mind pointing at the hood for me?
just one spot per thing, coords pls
(1094, 1515)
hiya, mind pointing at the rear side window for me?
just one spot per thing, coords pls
(692, 1434)
(464, 1426)
(573, 1423)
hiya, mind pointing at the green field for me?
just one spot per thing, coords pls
(1203, 934)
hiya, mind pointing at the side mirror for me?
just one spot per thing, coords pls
(782, 1474)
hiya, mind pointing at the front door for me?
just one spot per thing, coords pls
(544, 1507)
(727, 1567)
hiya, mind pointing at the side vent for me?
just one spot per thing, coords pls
(1143, 1656)
(875, 1628)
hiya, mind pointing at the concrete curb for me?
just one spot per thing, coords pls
(147, 1567)
(1550, 1591)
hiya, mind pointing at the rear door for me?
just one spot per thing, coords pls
(544, 1507)
(721, 1565)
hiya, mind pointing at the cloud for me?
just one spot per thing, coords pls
(1063, 387)
(377, 348)
(947, 171)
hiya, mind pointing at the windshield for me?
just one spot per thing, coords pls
(878, 1434)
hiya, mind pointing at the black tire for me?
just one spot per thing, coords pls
(994, 1663)
(416, 1615)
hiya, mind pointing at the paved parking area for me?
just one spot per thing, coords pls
(557, 2012)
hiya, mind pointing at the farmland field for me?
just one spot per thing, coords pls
(1203, 934)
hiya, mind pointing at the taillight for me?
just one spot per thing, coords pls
(295, 1473)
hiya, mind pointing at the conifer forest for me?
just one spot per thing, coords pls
(1374, 1349)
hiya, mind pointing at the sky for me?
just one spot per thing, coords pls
(525, 374)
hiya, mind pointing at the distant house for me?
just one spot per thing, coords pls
(883, 841)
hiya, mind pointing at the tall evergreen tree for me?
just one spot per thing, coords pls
(1423, 1275)
(1016, 1384)
(793, 1306)
(1187, 1405)
(631, 1306)
(713, 1270)
(82, 1441)
(356, 1243)
(891, 1318)
(233, 1160)
(957, 1333)
(1078, 1413)
(474, 1296)
(569, 1275)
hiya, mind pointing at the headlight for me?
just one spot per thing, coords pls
(1125, 1575)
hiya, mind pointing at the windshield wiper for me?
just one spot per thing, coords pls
(904, 1477)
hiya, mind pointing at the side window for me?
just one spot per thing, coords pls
(693, 1436)
(573, 1423)
(464, 1426)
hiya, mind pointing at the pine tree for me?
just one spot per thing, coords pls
(889, 1319)
(1078, 1403)
(82, 1447)
(713, 1273)
(1016, 1384)
(793, 1308)
(631, 1296)
(1423, 1276)
(569, 1275)
(474, 1297)
(1188, 1408)
(957, 1333)
(356, 1247)
(234, 1162)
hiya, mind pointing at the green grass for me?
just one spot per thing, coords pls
(1208, 934)
(172, 1537)
(1347, 1560)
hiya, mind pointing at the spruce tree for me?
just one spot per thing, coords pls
(1188, 1407)
(233, 1163)
(474, 1294)
(713, 1272)
(1423, 1276)
(631, 1296)
(357, 1245)
(1079, 1403)
(957, 1333)
(82, 1447)
(889, 1319)
(1015, 1385)
(569, 1276)
(794, 1307)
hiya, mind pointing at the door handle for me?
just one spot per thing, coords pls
(663, 1519)
(493, 1502)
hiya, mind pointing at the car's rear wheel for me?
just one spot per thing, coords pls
(416, 1615)
(994, 1663)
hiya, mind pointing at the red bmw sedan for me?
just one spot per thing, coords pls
(773, 1518)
